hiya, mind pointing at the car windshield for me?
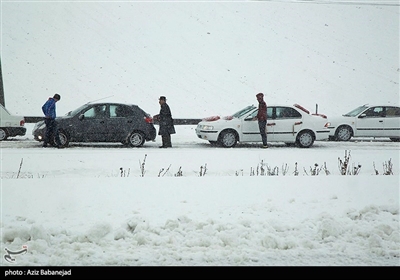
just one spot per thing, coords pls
(356, 111)
(243, 111)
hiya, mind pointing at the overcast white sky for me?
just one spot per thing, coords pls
(208, 58)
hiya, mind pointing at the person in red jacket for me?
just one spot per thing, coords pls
(262, 118)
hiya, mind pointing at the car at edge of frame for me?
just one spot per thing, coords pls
(10, 125)
(102, 122)
(378, 121)
(293, 125)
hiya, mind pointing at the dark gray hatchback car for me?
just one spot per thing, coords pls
(102, 122)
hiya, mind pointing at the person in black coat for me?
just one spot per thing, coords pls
(166, 123)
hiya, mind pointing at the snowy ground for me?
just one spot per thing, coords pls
(77, 207)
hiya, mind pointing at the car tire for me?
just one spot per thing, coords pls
(136, 139)
(395, 139)
(3, 134)
(228, 138)
(64, 139)
(305, 139)
(343, 133)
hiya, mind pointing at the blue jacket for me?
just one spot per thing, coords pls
(49, 108)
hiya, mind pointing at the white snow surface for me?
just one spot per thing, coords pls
(92, 205)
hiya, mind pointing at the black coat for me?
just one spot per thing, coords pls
(166, 121)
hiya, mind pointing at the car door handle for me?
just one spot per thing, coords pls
(380, 121)
(271, 124)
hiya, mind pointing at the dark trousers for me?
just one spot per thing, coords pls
(166, 140)
(263, 125)
(51, 131)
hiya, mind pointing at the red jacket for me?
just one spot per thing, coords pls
(262, 111)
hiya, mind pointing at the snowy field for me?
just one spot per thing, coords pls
(93, 205)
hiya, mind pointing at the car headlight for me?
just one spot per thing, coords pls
(206, 127)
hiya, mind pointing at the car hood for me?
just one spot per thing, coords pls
(340, 119)
(60, 118)
(217, 118)
(63, 117)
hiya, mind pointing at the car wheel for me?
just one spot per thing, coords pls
(228, 138)
(305, 139)
(3, 134)
(64, 140)
(344, 133)
(395, 139)
(136, 139)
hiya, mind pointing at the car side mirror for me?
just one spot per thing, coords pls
(362, 116)
(81, 117)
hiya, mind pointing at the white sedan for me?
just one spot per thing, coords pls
(288, 124)
(378, 121)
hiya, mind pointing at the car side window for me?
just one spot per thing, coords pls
(392, 112)
(286, 113)
(121, 111)
(115, 111)
(254, 114)
(269, 112)
(375, 112)
(96, 112)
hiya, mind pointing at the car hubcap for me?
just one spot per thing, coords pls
(344, 134)
(135, 139)
(305, 139)
(229, 140)
(63, 139)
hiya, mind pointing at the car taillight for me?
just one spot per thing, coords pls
(148, 119)
(22, 122)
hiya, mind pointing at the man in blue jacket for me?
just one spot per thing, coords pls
(49, 111)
